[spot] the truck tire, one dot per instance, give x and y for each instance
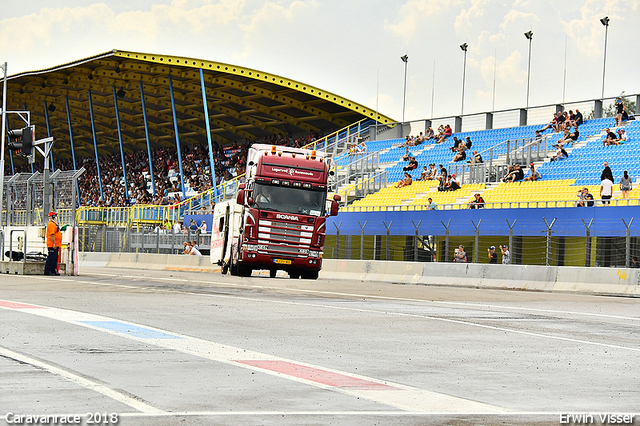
(310, 275)
(272, 273)
(225, 268)
(294, 275)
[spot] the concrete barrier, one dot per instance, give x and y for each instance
(605, 281)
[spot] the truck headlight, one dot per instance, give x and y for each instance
(314, 254)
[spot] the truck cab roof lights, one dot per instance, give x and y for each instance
(273, 150)
(313, 155)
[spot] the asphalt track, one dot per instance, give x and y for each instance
(165, 348)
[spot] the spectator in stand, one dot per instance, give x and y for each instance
(421, 138)
(551, 124)
(203, 227)
(475, 158)
(585, 199)
(461, 155)
(515, 174)
(444, 183)
(186, 247)
(193, 226)
(610, 138)
(427, 174)
(409, 141)
(606, 190)
(626, 185)
(453, 184)
(477, 202)
(534, 175)
(442, 173)
(620, 110)
(468, 143)
(456, 144)
(404, 182)
(429, 135)
(570, 137)
(560, 122)
(634, 262)
(448, 131)
(606, 172)
(431, 205)
(561, 154)
(578, 119)
(194, 250)
(440, 133)
(413, 164)
(622, 138)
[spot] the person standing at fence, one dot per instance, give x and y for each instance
(54, 241)
(460, 256)
(493, 256)
(506, 255)
(606, 190)
(626, 185)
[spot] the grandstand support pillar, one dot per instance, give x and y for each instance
(46, 120)
(362, 238)
(523, 117)
(146, 134)
(337, 239)
(175, 128)
(95, 142)
(73, 154)
(124, 170)
(388, 227)
(627, 250)
(415, 240)
(427, 124)
(488, 121)
(597, 108)
(208, 127)
(511, 237)
(549, 232)
(587, 254)
(559, 108)
(476, 255)
(457, 124)
(446, 240)
(637, 104)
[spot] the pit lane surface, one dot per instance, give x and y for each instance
(199, 348)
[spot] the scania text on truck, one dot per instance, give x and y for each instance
(277, 221)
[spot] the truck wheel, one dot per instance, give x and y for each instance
(225, 268)
(272, 273)
(294, 275)
(310, 275)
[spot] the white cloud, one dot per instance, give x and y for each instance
(416, 15)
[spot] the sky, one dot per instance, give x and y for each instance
(353, 47)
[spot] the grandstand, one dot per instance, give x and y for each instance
(560, 179)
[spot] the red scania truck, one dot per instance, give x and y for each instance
(277, 221)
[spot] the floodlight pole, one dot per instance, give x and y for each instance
(604, 21)
(464, 47)
(529, 36)
(405, 59)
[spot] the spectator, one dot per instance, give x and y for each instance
(177, 227)
(534, 175)
(429, 135)
(560, 122)
(477, 202)
(404, 182)
(456, 144)
(444, 183)
(551, 124)
(194, 250)
(610, 138)
(460, 255)
(193, 227)
(413, 164)
(186, 247)
(626, 185)
(620, 110)
(431, 205)
(453, 184)
(409, 141)
(606, 172)
(538, 137)
(426, 174)
(606, 190)
(447, 132)
(585, 199)
(516, 174)
(461, 155)
(506, 255)
(468, 144)
(442, 173)
(493, 256)
(634, 262)
(578, 119)
(570, 137)
(622, 138)
(203, 227)
(561, 154)
(475, 158)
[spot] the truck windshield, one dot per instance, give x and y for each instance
(289, 199)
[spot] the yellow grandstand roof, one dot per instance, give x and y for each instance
(243, 103)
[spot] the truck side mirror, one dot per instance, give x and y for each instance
(334, 207)
(250, 201)
(240, 197)
(337, 197)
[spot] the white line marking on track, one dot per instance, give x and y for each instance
(399, 299)
(393, 394)
(83, 381)
(454, 321)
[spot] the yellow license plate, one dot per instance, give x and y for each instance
(282, 261)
